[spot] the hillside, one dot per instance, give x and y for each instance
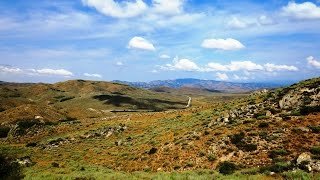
(79, 99)
(203, 84)
(266, 135)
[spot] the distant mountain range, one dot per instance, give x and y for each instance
(202, 84)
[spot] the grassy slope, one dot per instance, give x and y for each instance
(77, 99)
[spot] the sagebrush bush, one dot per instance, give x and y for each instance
(315, 150)
(4, 131)
(9, 169)
(227, 167)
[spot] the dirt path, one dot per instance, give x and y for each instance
(189, 102)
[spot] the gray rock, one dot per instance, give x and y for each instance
(304, 157)
(268, 114)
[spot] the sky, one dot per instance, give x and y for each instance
(145, 40)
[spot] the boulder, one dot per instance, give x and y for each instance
(315, 166)
(290, 101)
(304, 157)
(268, 114)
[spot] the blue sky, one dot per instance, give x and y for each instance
(143, 40)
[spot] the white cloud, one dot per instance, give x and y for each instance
(47, 71)
(5, 69)
(127, 9)
(265, 20)
(124, 9)
(181, 64)
(244, 65)
(36, 72)
(164, 56)
(173, 21)
(306, 10)
(223, 44)
(168, 7)
(141, 43)
(313, 62)
(247, 67)
(234, 66)
(222, 76)
(119, 63)
(236, 23)
(273, 67)
(93, 75)
(154, 71)
(217, 67)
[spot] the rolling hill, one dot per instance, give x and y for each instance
(79, 99)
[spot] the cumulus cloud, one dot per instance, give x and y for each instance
(222, 44)
(164, 56)
(37, 72)
(217, 67)
(222, 76)
(5, 69)
(141, 43)
(244, 65)
(168, 7)
(236, 23)
(313, 62)
(273, 67)
(247, 67)
(92, 75)
(234, 66)
(47, 71)
(124, 9)
(127, 9)
(306, 10)
(182, 65)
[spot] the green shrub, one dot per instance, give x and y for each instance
(202, 153)
(299, 174)
(248, 147)
(263, 135)
(9, 169)
(227, 167)
(305, 110)
(262, 117)
(259, 114)
(278, 167)
(295, 113)
(279, 152)
(263, 125)
(315, 129)
(25, 124)
(4, 131)
(237, 138)
(315, 150)
(307, 100)
(211, 157)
